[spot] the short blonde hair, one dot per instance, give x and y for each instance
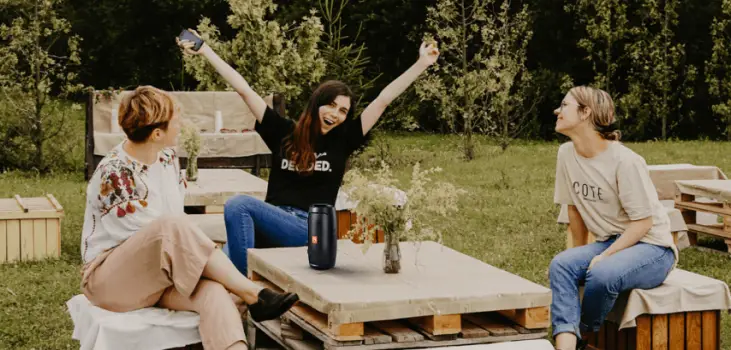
(602, 110)
(144, 110)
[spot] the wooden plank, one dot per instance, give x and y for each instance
(343, 223)
(13, 233)
(622, 340)
(53, 238)
(677, 331)
(39, 238)
(611, 335)
(710, 330)
(398, 332)
(531, 318)
(693, 331)
(21, 204)
(343, 332)
(602, 338)
(644, 332)
(26, 240)
(439, 324)
(471, 330)
(56, 205)
(317, 332)
(659, 332)
(714, 208)
(35, 214)
(3, 241)
(373, 336)
(709, 230)
(489, 323)
(289, 330)
(214, 209)
(632, 339)
(728, 245)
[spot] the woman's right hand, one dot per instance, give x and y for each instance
(187, 45)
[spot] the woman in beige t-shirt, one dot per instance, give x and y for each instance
(608, 191)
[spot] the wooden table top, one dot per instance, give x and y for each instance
(434, 280)
(216, 186)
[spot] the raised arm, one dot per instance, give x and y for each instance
(253, 100)
(428, 55)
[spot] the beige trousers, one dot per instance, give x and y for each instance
(161, 265)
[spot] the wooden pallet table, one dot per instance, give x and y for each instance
(209, 193)
(716, 200)
(440, 298)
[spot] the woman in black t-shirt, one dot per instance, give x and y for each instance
(308, 156)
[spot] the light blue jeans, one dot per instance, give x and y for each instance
(642, 266)
(253, 223)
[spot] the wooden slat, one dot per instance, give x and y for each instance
(622, 340)
(592, 338)
(35, 214)
(490, 324)
(343, 332)
(13, 234)
(290, 330)
(3, 241)
(710, 230)
(632, 338)
(214, 209)
(471, 330)
(531, 318)
(693, 331)
(21, 204)
(343, 223)
(53, 238)
(373, 336)
(715, 208)
(611, 335)
(660, 332)
(439, 324)
(677, 331)
(602, 338)
(26, 240)
(39, 238)
(398, 332)
(56, 205)
(644, 332)
(710, 330)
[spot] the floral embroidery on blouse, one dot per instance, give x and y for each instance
(118, 188)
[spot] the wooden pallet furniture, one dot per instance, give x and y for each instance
(716, 199)
(440, 298)
(209, 193)
(197, 106)
(30, 228)
(346, 219)
(681, 331)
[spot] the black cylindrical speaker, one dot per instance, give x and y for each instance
(322, 247)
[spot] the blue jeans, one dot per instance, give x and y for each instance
(642, 266)
(253, 223)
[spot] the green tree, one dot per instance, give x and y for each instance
(606, 28)
(275, 58)
(718, 68)
(479, 84)
(37, 57)
(659, 81)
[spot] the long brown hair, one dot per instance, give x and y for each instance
(300, 145)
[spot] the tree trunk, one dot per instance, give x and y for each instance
(37, 130)
(469, 148)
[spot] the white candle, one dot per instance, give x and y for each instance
(219, 122)
(115, 119)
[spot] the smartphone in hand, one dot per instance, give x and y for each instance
(187, 35)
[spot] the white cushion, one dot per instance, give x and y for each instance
(149, 328)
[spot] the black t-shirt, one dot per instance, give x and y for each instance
(286, 186)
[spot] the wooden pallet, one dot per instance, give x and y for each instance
(306, 328)
(681, 331)
(689, 206)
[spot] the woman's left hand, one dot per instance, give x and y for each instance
(596, 260)
(428, 54)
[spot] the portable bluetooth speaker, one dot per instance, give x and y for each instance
(322, 225)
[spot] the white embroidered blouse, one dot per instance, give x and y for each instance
(125, 195)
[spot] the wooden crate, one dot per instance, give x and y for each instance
(346, 219)
(678, 331)
(30, 228)
(689, 207)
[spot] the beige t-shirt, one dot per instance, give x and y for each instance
(610, 190)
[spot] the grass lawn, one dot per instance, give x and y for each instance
(507, 219)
